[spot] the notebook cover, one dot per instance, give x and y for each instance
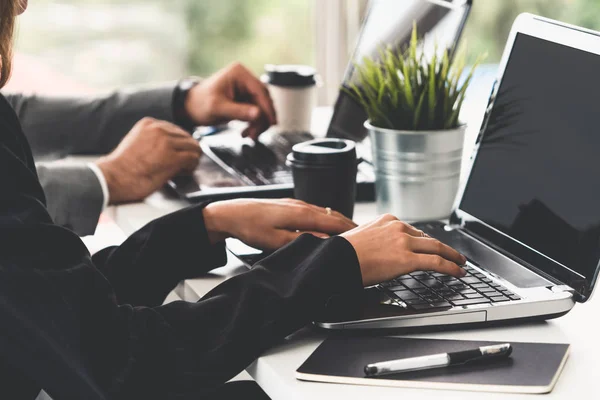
(532, 367)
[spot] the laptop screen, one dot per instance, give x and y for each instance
(389, 22)
(536, 176)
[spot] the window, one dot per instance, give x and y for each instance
(490, 20)
(66, 46)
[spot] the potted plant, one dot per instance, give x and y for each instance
(413, 105)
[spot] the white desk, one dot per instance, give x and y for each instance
(274, 371)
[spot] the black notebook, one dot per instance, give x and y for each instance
(532, 367)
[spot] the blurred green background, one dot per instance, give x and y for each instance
(102, 44)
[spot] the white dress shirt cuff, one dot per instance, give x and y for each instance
(103, 184)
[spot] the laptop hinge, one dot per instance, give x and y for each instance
(559, 285)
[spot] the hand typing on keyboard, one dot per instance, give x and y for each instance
(387, 248)
(233, 93)
(270, 224)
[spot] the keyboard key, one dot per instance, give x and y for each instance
(470, 279)
(404, 277)
(480, 285)
(394, 287)
(432, 299)
(497, 299)
(447, 278)
(441, 304)
(488, 290)
(431, 282)
(406, 295)
(455, 283)
(466, 290)
(414, 302)
(468, 302)
(514, 297)
(474, 296)
(419, 273)
(490, 294)
(412, 284)
(454, 297)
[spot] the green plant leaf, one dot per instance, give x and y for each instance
(400, 89)
(417, 115)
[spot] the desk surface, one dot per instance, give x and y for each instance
(274, 371)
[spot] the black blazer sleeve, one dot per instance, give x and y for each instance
(66, 330)
(148, 265)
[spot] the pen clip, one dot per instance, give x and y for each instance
(485, 352)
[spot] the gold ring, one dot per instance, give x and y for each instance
(328, 210)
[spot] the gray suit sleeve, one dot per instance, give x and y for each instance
(73, 195)
(59, 126)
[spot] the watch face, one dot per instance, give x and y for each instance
(188, 83)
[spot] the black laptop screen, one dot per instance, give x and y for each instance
(537, 172)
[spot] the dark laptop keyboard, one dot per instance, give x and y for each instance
(432, 290)
(260, 164)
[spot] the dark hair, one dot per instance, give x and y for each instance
(8, 13)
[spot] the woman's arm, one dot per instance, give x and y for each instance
(65, 331)
(148, 265)
(207, 343)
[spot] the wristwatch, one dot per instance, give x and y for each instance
(180, 115)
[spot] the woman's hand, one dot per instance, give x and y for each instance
(387, 248)
(271, 224)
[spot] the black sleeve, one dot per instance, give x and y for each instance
(148, 265)
(65, 331)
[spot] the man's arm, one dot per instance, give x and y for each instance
(59, 126)
(74, 193)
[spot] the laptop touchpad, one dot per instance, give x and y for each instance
(486, 258)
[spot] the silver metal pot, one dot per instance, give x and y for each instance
(416, 172)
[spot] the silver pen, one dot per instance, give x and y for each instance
(438, 360)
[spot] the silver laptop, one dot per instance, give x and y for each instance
(528, 216)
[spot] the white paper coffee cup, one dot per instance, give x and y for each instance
(294, 94)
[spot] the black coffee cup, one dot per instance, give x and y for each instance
(324, 172)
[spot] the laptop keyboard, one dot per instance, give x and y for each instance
(431, 290)
(259, 164)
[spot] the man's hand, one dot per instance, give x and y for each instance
(270, 224)
(387, 248)
(151, 153)
(232, 93)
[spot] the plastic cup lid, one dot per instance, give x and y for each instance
(323, 152)
(290, 75)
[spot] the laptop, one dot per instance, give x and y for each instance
(243, 168)
(528, 216)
